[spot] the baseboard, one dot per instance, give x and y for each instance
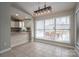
(20, 43)
(55, 43)
(5, 50)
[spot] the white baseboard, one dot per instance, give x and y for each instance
(5, 50)
(17, 44)
(55, 43)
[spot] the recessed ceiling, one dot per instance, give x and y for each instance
(58, 6)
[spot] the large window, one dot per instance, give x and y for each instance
(57, 29)
(49, 24)
(40, 29)
(62, 23)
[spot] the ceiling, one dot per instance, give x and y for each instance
(58, 6)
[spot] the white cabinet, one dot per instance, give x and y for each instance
(18, 38)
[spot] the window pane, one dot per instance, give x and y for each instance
(49, 34)
(62, 26)
(68, 20)
(49, 24)
(62, 20)
(39, 24)
(40, 34)
(62, 36)
(62, 23)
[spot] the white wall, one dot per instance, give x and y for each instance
(76, 18)
(77, 22)
(4, 26)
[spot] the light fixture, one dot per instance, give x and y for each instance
(17, 14)
(43, 11)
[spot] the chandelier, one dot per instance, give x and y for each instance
(43, 11)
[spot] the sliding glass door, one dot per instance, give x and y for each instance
(54, 29)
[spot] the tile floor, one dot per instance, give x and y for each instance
(36, 49)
